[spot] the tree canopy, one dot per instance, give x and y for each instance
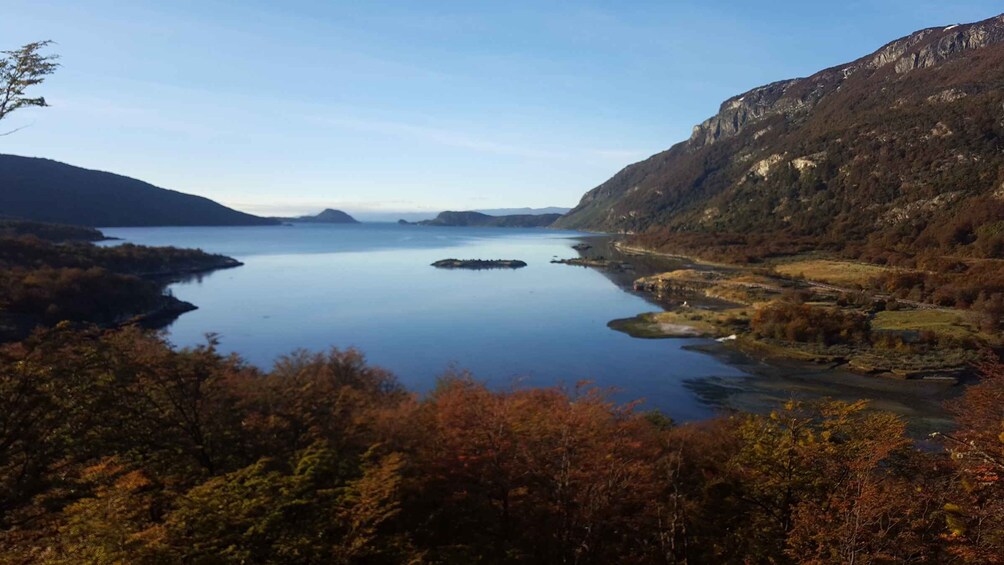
(20, 70)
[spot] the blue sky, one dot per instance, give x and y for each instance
(289, 107)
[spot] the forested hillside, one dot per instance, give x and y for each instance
(49, 191)
(477, 219)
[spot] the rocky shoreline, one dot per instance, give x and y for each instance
(219, 263)
(595, 262)
(479, 264)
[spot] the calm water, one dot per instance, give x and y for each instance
(370, 286)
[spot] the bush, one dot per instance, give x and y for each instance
(810, 324)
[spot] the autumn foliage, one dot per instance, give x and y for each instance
(806, 323)
(51, 273)
(115, 448)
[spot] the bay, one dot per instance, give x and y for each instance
(371, 286)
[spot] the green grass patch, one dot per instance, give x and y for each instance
(951, 323)
(841, 273)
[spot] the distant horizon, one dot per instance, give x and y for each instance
(300, 208)
(406, 108)
(358, 209)
(376, 215)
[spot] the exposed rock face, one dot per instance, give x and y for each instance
(929, 47)
(850, 146)
(923, 49)
(738, 112)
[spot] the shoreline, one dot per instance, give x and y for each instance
(770, 382)
(169, 276)
(726, 296)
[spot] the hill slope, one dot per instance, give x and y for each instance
(484, 220)
(50, 191)
(327, 216)
(901, 147)
(525, 211)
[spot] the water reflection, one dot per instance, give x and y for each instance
(371, 286)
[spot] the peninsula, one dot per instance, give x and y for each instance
(477, 219)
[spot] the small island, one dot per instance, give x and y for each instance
(479, 264)
(327, 216)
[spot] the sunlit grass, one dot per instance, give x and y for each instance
(952, 323)
(833, 272)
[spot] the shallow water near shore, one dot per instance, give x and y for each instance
(372, 286)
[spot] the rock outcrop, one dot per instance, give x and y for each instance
(479, 264)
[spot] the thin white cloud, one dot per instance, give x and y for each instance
(464, 140)
(120, 115)
(440, 136)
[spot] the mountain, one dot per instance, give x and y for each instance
(328, 216)
(525, 211)
(471, 219)
(49, 191)
(903, 147)
(393, 216)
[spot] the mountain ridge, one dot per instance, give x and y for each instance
(45, 190)
(478, 219)
(895, 146)
(525, 211)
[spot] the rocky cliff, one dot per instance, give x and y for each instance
(896, 140)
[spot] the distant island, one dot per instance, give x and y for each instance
(477, 219)
(328, 216)
(479, 264)
(560, 210)
(44, 190)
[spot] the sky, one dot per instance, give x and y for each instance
(421, 105)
